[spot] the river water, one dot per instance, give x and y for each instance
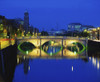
(16, 66)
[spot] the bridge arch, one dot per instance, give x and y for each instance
(37, 42)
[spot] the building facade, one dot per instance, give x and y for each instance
(87, 27)
(74, 27)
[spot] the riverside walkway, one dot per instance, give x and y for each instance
(6, 42)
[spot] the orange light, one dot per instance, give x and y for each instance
(15, 35)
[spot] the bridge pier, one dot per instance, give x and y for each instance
(62, 46)
(86, 42)
(40, 47)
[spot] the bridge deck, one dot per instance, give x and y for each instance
(52, 37)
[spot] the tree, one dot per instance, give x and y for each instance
(1, 27)
(44, 33)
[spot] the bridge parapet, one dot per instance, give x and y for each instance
(64, 41)
(50, 37)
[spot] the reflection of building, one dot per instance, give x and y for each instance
(26, 21)
(74, 27)
(26, 65)
(25, 61)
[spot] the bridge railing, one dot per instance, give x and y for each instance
(56, 37)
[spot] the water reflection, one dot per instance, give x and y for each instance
(39, 66)
(51, 48)
(54, 49)
(8, 63)
(62, 53)
(26, 47)
(95, 61)
(76, 47)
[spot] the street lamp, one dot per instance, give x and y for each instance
(85, 30)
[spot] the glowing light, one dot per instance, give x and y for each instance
(24, 57)
(50, 53)
(85, 30)
(98, 66)
(52, 42)
(17, 60)
(93, 58)
(75, 52)
(94, 29)
(15, 35)
(26, 52)
(72, 68)
(28, 32)
(18, 29)
(29, 68)
(98, 28)
(89, 58)
(88, 31)
(95, 62)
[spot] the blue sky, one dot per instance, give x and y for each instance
(56, 14)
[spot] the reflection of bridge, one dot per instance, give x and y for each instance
(64, 41)
(65, 53)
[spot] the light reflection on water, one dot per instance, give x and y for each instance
(48, 70)
(57, 69)
(55, 51)
(74, 49)
(38, 66)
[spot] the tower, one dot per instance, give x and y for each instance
(26, 21)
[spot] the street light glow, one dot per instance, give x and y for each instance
(98, 28)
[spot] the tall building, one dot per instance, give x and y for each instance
(26, 21)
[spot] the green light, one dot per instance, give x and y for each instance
(50, 53)
(75, 52)
(26, 52)
(82, 46)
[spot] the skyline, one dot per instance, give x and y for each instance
(49, 14)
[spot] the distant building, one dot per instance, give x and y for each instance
(57, 32)
(87, 27)
(51, 32)
(19, 21)
(26, 21)
(74, 27)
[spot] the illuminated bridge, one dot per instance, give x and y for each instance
(63, 41)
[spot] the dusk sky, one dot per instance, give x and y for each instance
(50, 14)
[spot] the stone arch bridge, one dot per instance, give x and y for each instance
(64, 41)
